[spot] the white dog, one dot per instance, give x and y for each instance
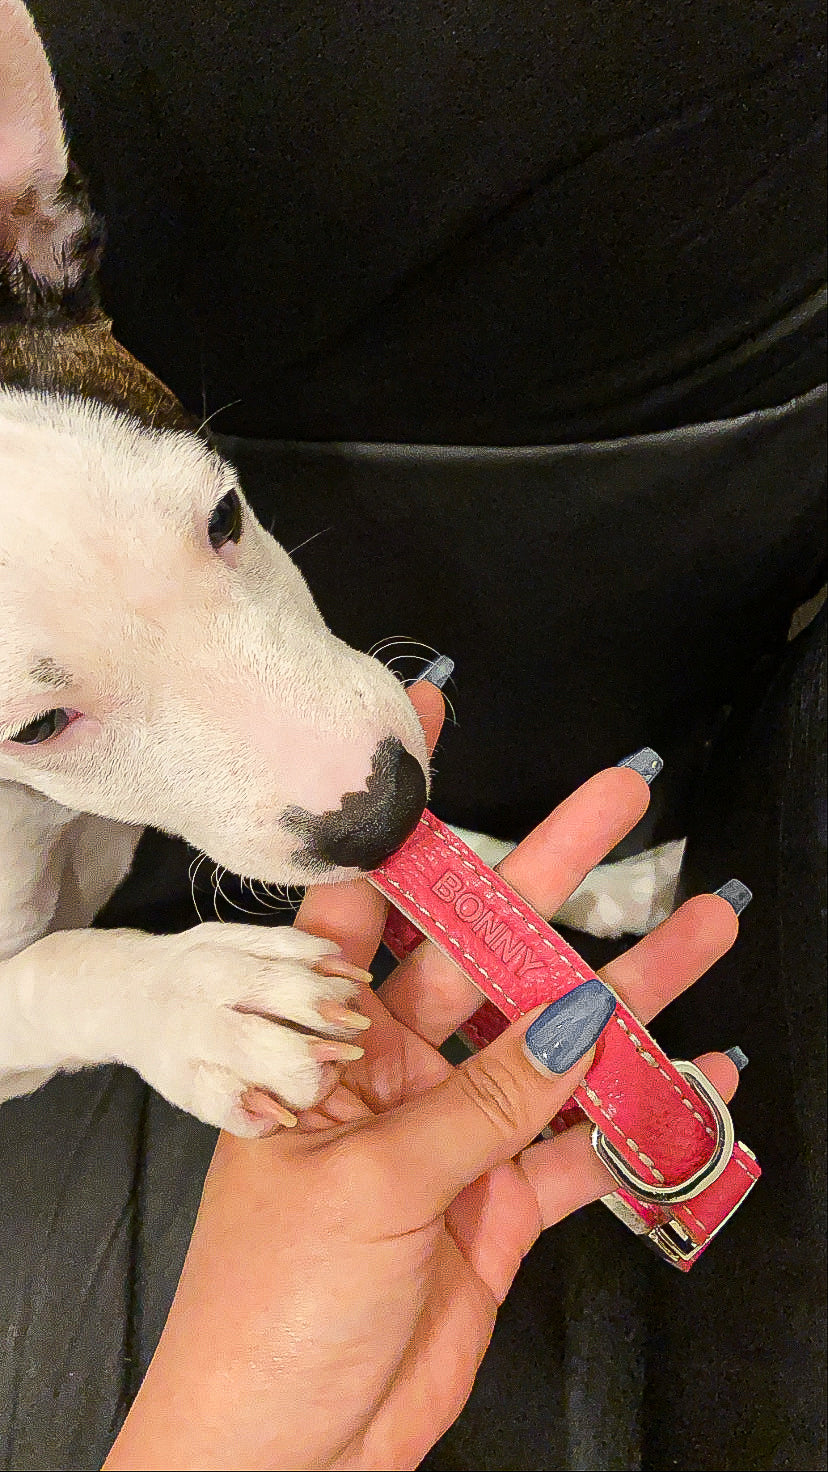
(161, 662)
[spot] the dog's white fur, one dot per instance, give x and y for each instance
(213, 697)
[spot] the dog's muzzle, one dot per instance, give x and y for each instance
(370, 825)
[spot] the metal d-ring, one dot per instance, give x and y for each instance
(623, 1173)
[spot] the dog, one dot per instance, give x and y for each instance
(162, 663)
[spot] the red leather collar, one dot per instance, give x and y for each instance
(667, 1138)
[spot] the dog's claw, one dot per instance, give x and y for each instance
(344, 1017)
(261, 1105)
(338, 966)
(333, 1052)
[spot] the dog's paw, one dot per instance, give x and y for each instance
(234, 1018)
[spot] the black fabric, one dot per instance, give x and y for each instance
(467, 222)
(101, 1182)
(595, 598)
(536, 225)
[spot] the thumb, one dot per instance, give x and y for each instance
(496, 1103)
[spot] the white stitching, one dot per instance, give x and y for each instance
(481, 877)
(699, 1224)
(654, 1063)
(475, 964)
(754, 1175)
(473, 961)
(414, 902)
(590, 1092)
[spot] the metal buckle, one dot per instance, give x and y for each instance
(698, 1181)
(672, 1242)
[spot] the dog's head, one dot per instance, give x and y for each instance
(161, 658)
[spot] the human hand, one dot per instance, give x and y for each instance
(343, 1279)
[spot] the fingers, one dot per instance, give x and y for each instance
(565, 1172)
(427, 992)
(484, 1112)
(668, 960)
(353, 915)
(430, 707)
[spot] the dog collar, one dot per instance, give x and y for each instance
(659, 1126)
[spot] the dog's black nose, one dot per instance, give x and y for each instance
(369, 825)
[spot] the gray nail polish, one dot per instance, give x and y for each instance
(738, 1057)
(646, 762)
(736, 893)
(438, 671)
(567, 1029)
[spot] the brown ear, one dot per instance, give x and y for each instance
(48, 243)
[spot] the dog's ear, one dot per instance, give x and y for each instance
(49, 240)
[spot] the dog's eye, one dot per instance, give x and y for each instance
(42, 728)
(225, 524)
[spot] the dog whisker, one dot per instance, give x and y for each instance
(281, 892)
(214, 880)
(194, 868)
(231, 403)
(234, 905)
(280, 905)
(260, 899)
(402, 639)
(407, 656)
(392, 639)
(394, 659)
(393, 645)
(311, 538)
(203, 384)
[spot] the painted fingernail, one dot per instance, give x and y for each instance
(646, 762)
(437, 671)
(332, 1052)
(738, 1057)
(736, 893)
(344, 1017)
(568, 1029)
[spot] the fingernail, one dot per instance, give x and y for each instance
(332, 1052)
(646, 762)
(568, 1029)
(736, 893)
(344, 1017)
(738, 1057)
(437, 672)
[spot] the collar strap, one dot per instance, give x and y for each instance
(659, 1126)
